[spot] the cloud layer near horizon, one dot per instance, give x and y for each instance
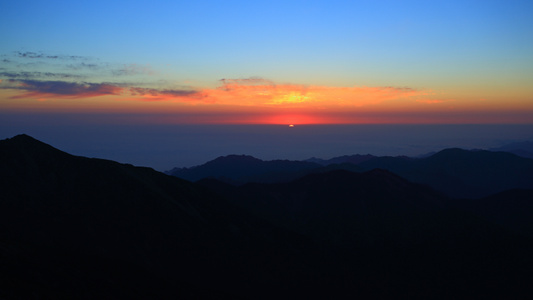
(231, 92)
(68, 83)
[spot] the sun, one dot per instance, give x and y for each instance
(291, 125)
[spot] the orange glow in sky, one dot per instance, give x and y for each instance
(260, 101)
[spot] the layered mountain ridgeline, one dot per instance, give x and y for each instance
(462, 173)
(74, 227)
(238, 169)
(456, 172)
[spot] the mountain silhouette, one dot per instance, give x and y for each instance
(379, 223)
(113, 230)
(325, 206)
(76, 227)
(456, 172)
(462, 173)
(512, 209)
(240, 169)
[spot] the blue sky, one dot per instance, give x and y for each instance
(309, 42)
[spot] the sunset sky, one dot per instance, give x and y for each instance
(270, 62)
(126, 80)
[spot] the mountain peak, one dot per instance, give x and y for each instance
(22, 138)
(236, 157)
(24, 146)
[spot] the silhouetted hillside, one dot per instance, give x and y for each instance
(458, 173)
(74, 227)
(462, 173)
(243, 168)
(339, 205)
(401, 237)
(512, 209)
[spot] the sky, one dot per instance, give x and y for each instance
(165, 63)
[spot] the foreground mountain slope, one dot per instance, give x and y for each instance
(343, 208)
(512, 209)
(74, 227)
(111, 230)
(381, 232)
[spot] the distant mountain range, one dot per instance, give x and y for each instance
(455, 172)
(523, 149)
(74, 227)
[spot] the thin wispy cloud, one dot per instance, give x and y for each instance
(71, 76)
(40, 55)
(233, 92)
(258, 91)
(148, 94)
(30, 65)
(85, 66)
(35, 75)
(63, 89)
(132, 69)
(78, 90)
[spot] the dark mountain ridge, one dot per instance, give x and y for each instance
(462, 173)
(144, 233)
(337, 200)
(74, 227)
(242, 168)
(456, 172)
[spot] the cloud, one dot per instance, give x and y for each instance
(34, 55)
(231, 84)
(33, 75)
(166, 94)
(133, 69)
(262, 92)
(64, 89)
(30, 65)
(251, 92)
(82, 65)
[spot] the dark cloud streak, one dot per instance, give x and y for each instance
(65, 89)
(156, 92)
(83, 65)
(37, 88)
(34, 55)
(32, 75)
